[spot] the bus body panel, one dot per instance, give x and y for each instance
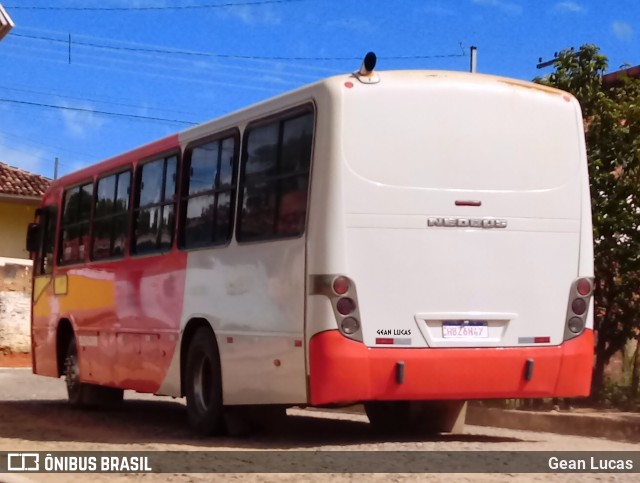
(346, 371)
(373, 226)
(125, 314)
(253, 297)
(463, 208)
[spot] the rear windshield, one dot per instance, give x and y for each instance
(449, 134)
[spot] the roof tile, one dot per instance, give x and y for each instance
(15, 181)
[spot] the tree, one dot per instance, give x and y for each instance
(612, 130)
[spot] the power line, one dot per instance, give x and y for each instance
(228, 56)
(91, 111)
(168, 7)
(104, 101)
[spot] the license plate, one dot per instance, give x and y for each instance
(465, 329)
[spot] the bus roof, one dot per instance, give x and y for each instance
(172, 142)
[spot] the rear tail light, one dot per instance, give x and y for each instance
(578, 307)
(583, 287)
(576, 325)
(341, 292)
(344, 300)
(350, 325)
(345, 306)
(340, 285)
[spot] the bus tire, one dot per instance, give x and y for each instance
(203, 384)
(81, 394)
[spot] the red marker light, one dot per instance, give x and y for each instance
(345, 306)
(348, 85)
(541, 340)
(583, 287)
(341, 285)
(579, 306)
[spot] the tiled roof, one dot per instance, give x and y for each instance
(14, 181)
(614, 78)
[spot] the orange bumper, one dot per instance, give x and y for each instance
(342, 370)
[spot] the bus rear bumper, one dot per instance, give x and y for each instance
(343, 370)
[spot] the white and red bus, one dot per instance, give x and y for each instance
(408, 240)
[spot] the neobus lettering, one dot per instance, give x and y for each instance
(468, 222)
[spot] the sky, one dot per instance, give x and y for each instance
(84, 80)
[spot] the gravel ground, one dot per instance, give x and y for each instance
(35, 417)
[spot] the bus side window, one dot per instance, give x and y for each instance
(275, 179)
(154, 213)
(110, 223)
(75, 223)
(210, 194)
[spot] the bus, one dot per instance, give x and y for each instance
(405, 240)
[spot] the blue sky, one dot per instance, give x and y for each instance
(162, 68)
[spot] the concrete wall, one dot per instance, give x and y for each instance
(14, 219)
(15, 305)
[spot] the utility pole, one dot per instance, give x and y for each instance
(473, 65)
(547, 63)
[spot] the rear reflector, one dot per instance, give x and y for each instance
(541, 340)
(384, 341)
(394, 341)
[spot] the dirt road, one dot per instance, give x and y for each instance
(34, 416)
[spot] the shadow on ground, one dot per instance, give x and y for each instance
(165, 422)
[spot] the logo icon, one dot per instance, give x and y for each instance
(23, 462)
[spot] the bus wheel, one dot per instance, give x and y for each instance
(81, 394)
(203, 384)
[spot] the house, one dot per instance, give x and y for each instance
(20, 194)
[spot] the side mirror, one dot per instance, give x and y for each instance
(33, 237)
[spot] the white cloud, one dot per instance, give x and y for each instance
(507, 7)
(251, 15)
(622, 30)
(80, 123)
(571, 7)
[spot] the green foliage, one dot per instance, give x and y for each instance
(612, 128)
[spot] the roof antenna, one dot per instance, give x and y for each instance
(366, 75)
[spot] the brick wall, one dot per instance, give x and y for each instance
(15, 305)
